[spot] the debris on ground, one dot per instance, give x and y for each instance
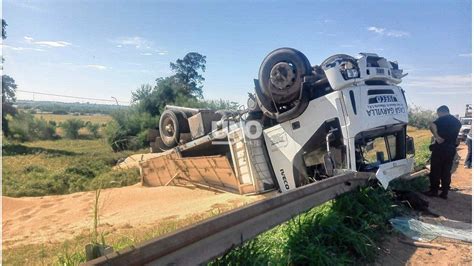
(421, 231)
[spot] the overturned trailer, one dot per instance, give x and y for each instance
(303, 124)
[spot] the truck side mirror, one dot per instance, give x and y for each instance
(410, 146)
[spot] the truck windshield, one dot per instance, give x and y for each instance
(378, 147)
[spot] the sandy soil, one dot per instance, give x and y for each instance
(47, 219)
(458, 207)
(134, 160)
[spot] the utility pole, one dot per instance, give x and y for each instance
(116, 101)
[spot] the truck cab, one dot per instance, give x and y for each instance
(359, 125)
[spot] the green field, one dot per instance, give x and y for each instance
(96, 118)
(63, 166)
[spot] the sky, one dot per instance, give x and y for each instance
(103, 49)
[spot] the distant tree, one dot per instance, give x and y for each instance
(152, 100)
(187, 73)
(8, 91)
(25, 127)
(129, 128)
(8, 99)
(4, 29)
(142, 93)
(419, 117)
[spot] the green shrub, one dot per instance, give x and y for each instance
(44, 130)
(420, 118)
(71, 127)
(93, 129)
(81, 171)
(25, 127)
(128, 130)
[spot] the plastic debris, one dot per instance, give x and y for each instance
(420, 231)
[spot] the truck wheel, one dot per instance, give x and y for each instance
(172, 124)
(282, 73)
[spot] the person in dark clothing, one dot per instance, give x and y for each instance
(445, 132)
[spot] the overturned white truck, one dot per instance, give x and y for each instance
(303, 124)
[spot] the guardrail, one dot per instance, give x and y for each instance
(211, 238)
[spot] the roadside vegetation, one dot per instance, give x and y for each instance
(420, 118)
(61, 108)
(340, 232)
(62, 166)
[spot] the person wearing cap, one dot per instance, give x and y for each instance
(445, 132)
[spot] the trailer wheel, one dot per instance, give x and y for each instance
(282, 73)
(172, 124)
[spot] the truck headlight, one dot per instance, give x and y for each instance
(349, 70)
(352, 73)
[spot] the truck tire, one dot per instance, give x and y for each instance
(172, 124)
(291, 66)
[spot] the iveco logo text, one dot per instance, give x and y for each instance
(283, 177)
(386, 99)
(383, 99)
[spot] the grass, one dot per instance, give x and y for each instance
(342, 231)
(62, 166)
(97, 118)
(422, 139)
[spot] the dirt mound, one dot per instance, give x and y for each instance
(31, 220)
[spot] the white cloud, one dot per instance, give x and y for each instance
(162, 52)
(466, 55)
(28, 39)
(135, 41)
(397, 33)
(440, 85)
(98, 67)
(146, 54)
(27, 4)
(54, 44)
(376, 30)
(19, 48)
(389, 33)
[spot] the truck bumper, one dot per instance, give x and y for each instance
(392, 170)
